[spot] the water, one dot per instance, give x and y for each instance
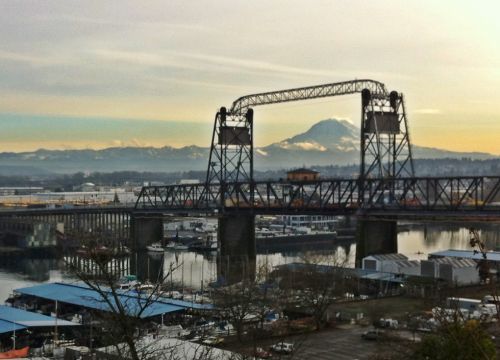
(193, 270)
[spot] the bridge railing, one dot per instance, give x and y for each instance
(329, 195)
(433, 193)
(311, 195)
(192, 196)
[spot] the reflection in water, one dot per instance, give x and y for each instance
(193, 270)
(428, 238)
(88, 268)
(32, 267)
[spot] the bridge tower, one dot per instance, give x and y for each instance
(231, 151)
(385, 137)
(385, 154)
(231, 161)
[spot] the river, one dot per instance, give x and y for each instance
(194, 270)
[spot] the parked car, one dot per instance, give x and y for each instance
(260, 353)
(372, 335)
(213, 340)
(282, 347)
(388, 323)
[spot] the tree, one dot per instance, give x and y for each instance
(245, 304)
(483, 266)
(316, 285)
(457, 340)
(122, 323)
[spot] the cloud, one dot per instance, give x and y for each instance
(197, 61)
(256, 65)
(428, 111)
(307, 146)
(261, 152)
(113, 22)
(31, 59)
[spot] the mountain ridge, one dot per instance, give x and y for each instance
(327, 142)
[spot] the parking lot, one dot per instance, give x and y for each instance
(341, 343)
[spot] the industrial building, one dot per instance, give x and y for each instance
(493, 256)
(456, 271)
(380, 262)
(459, 271)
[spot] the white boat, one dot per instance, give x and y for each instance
(146, 288)
(155, 247)
(175, 246)
(170, 245)
(127, 282)
(181, 247)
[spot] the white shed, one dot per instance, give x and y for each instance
(407, 267)
(382, 262)
(458, 271)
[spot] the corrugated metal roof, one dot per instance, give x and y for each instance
(388, 257)
(466, 254)
(456, 263)
(362, 273)
(8, 326)
(383, 276)
(82, 295)
(30, 319)
(407, 263)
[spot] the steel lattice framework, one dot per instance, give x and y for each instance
(231, 151)
(427, 196)
(306, 93)
(476, 197)
(385, 139)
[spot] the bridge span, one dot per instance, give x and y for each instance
(452, 197)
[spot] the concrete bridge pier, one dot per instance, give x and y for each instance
(145, 230)
(237, 257)
(376, 237)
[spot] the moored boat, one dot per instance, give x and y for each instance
(15, 354)
(155, 247)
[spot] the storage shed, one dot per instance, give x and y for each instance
(382, 262)
(457, 271)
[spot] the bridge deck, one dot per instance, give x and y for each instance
(425, 197)
(453, 196)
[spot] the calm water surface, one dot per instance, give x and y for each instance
(194, 270)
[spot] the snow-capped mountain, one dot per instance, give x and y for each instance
(328, 142)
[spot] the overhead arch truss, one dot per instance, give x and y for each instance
(384, 140)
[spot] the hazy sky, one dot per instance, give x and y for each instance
(71, 70)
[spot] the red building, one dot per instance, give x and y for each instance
(302, 174)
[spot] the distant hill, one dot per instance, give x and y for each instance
(328, 142)
(336, 142)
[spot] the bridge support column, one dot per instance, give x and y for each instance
(237, 259)
(144, 231)
(376, 237)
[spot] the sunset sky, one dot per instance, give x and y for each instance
(94, 74)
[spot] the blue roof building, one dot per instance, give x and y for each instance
(134, 304)
(13, 319)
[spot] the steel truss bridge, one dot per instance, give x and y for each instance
(466, 197)
(386, 186)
